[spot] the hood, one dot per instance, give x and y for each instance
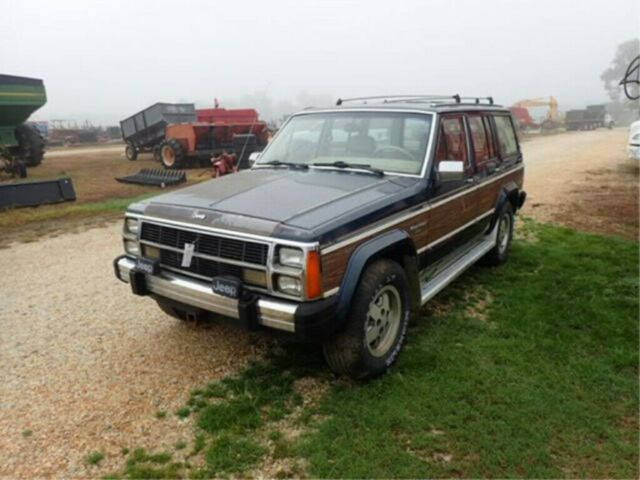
(259, 200)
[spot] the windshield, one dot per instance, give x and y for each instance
(389, 141)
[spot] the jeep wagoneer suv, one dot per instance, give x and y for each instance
(349, 221)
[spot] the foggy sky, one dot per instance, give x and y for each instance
(105, 60)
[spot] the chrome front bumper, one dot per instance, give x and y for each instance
(278, 314)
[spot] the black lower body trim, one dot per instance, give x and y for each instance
(317, 321)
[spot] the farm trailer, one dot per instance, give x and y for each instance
(145, 131)
(21, 144)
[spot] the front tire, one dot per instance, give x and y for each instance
(499, 254)
(377, 325)
(130, 152)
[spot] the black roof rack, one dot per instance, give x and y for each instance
(434, 99)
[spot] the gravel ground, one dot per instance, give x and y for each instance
(85, 366)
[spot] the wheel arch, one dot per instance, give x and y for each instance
(510, 193)
(395, 245)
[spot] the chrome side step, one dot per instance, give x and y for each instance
(435, 285)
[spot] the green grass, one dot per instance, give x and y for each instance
(544, 384)
(23, 216)
(231, 453)
(94, 458)
(526, 370)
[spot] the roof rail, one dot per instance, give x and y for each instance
(457, 99)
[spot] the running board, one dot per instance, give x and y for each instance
(435, 285)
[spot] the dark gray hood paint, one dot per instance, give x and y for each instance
(294, 204)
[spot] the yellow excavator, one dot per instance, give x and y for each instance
(553, 116)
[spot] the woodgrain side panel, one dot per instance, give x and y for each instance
(429, 225)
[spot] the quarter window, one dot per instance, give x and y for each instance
(506, 136)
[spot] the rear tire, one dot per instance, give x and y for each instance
(171, 154)
(30, 145)
(377, 325)
(156, 153)
(500, 253)
(130, 152)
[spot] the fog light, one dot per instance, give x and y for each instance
(151, 252)
(289, 285)
(254, 277)
(131, 247)
(131, 225)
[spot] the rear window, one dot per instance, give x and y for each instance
(506, 136)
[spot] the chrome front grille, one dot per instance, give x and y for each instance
(214, 255)
(222, 248)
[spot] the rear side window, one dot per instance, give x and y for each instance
(480, 140)
(506, 136)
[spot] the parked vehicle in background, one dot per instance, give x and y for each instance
(198, 142)
(633, 147)
(594, 116)
(350, 220)
(552, 119)
(145, 131)
(21, 144)
(524, 120)
(178, 134)
(574, 120)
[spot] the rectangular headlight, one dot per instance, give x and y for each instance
(291, 257)
(131, 247)
(131, 225)
(289, 285)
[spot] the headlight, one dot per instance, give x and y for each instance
(636, 137)
(131, 247)
(291, 257)
(289, 285)
(131, 225)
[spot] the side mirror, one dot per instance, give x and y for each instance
(451, 170)
(253, 156)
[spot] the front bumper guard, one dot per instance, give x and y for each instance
(277, 314)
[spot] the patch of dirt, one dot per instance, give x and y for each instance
(478, 303)
(583, 180)
(276, 465)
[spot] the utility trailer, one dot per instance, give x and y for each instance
(21, 144)
(145, 131)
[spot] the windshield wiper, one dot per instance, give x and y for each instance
(358, 166)
(278, 163)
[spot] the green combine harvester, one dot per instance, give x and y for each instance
(21, 145)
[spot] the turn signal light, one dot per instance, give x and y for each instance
(314, 275)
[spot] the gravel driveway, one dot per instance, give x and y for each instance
(85, 366)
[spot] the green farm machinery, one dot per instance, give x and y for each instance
(21, 145)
